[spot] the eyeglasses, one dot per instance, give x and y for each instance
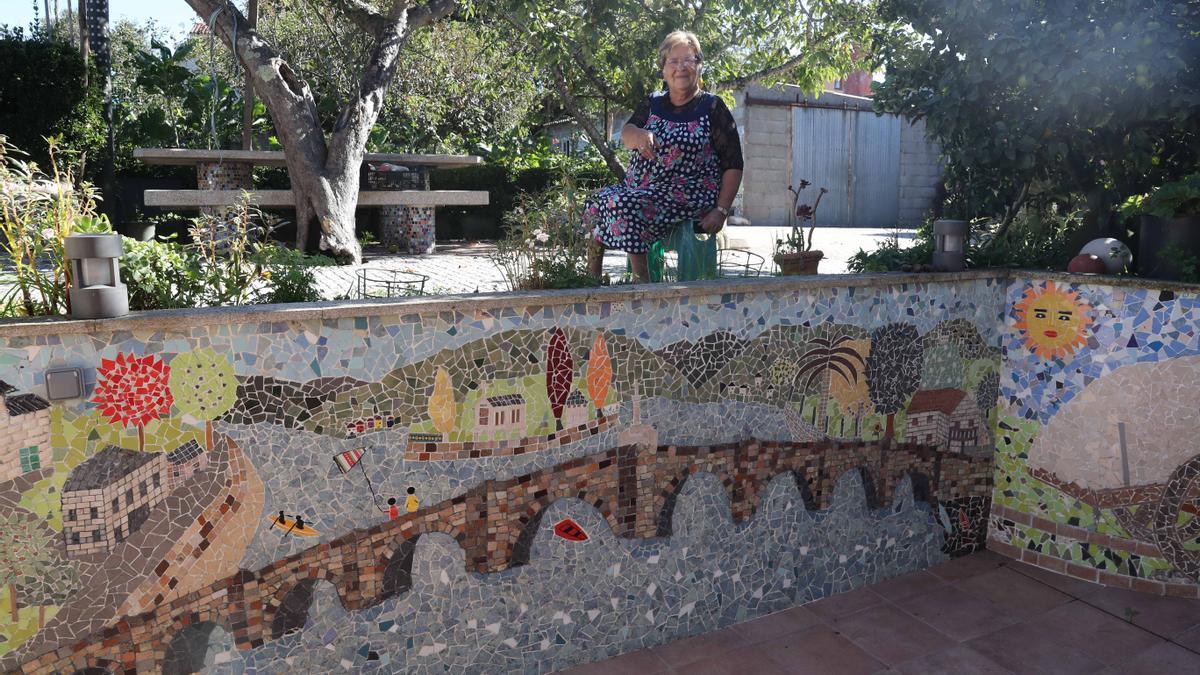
(689, 62)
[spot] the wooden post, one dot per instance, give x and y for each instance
(248, 89)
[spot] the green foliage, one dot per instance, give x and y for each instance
(229, 250)
(42, 94)
(943, 368)
(1170, 200)
(159, 275)
(37, 213)
(1039, 102)
(290, 274)
(170, 104)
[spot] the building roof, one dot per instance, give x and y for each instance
(505, 400)
(576, 398)
(106, 467)
(185, 453)
(25, 403)
(936, 400)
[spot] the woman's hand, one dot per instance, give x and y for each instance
(713, 221)
(644, 143)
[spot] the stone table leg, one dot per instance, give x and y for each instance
(420, 233)
(223, 176)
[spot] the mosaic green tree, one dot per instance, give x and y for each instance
(204, 386)
(943, 368)
(894, 369)
(26, 551)
(55, 582)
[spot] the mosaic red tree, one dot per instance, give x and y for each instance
(560, 372)
(134, 391)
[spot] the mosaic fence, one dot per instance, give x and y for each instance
(1098, 466)
(493, 487)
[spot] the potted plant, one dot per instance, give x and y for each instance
(1168, 223)
(794, 253)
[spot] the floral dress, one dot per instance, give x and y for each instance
(698, 143)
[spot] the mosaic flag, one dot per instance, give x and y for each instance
(348, 459)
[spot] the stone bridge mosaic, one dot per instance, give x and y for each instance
(379, 486)
(634, 489)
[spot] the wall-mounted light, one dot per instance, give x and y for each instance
(64, 383)
(951, 239)
(96, 289)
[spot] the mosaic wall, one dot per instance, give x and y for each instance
(516, 488)
(1098, 469)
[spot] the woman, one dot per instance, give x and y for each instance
(687, 163)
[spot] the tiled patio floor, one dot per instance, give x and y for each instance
(980, 614)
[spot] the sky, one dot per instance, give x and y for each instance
(172, 15)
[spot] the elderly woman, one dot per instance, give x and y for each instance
(687, 163)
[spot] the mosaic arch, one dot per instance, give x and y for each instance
(345, 477)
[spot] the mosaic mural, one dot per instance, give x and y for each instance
(414, 492)
(1098, 471)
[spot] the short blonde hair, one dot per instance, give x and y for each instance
(676, 38)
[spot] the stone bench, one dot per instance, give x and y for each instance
(407, 216)
(194, 199)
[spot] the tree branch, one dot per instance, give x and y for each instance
(430, 12)
(581, 118)
(745, 80)
(361, 14)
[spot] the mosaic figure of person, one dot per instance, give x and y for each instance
(411, 503)
(687, 163)
(393, 510)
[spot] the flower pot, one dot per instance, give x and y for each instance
(1164, 245)
(793, 264)
(139, 230)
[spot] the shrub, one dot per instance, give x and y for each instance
(290, 276)
(159, 275)
(42, 94)
(37, 212)
(545, 244)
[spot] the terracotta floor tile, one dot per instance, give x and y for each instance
(1025, 649)
(957, 660)
(1093, 632)
(907, 585)
(1163, 657)
(1190, 639)
(777, 624)
(968, 565)
(956, 613)
(1165, 616)
(1015, 593)
(819, 650)
(842, 604)
(890, 635)
(737, 662)
(700, 647)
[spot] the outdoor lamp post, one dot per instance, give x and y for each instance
(951, 239)
(96, 288)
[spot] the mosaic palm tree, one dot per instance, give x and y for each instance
(824, 358)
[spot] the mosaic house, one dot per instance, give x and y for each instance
(528, 482)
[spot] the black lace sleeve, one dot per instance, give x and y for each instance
(641, 114)
(725, 137)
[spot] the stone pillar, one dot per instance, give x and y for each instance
(223, 176)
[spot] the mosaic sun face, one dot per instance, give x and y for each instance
(1052, 321)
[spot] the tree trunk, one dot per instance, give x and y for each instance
(141, 438)
(12, 598)
(41, 617)
(208, 435)
(891, 427)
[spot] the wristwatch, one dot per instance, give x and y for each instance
(724, 211)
